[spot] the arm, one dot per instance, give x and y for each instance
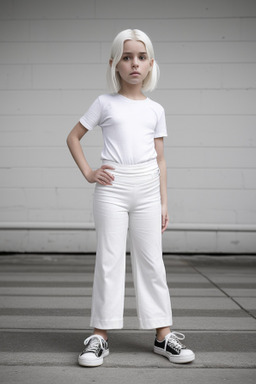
(159, 146)
(100, 176)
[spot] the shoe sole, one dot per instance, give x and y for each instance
(93, 363)
(175, 358)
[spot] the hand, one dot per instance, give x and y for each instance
(165, 218)
(101, 176)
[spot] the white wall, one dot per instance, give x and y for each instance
(53, 57)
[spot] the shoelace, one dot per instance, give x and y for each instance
(174, 340)
(93, 343)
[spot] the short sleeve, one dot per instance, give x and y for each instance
(92, 117)
(161, 128)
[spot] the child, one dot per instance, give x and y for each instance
(130, 192)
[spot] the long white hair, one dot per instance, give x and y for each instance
(113, 77)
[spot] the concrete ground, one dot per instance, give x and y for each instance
(45, 309)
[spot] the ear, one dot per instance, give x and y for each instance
(111, 62)
(151, 63)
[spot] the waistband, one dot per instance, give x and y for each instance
(133, 169)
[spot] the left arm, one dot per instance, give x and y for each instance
(159, 146)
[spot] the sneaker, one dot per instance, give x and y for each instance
(173, 349)
(96, 348)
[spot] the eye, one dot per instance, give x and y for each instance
(143, 57)
(126, 58)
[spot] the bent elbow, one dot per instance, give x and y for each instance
(69, 140)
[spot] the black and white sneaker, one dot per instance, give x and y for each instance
(173, 349)
(96, 348)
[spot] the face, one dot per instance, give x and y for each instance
(134, 65)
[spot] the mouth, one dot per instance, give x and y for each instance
(134, 73)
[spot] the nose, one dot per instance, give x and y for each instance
(135, 63)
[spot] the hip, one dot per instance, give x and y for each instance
(136, 173)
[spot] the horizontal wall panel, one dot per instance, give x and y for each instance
(42, 241)
(73, 30)
(182, 215)
(25, 198)
(48, 9)
(247, 216)
(78, 214)
(207, 102)
(161, 9)
(42, 131)
(209, 178)
(14, 30)
(190, 76)
(249, 177)
(50, 53)
(43, 178)
(211, 157)
(208, 76)
(13, 214)
(50, 198)
(15, 77)
(191, 29)
(214, 199)
(239, 76)
(55, 102)
(211, 131)
(69, 76)
(104, 30)
(44, 157)
(201, 52)
(35, 130)
(174, 9)
(248, 32)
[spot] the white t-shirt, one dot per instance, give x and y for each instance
(129, 127)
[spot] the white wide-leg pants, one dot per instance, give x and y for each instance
(131, 202)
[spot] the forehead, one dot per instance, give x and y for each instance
(134, 46)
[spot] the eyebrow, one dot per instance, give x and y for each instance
(129, 53)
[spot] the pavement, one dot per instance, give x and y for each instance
(45, 309)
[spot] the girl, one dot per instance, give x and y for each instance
(130, 192)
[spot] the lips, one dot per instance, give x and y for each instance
(135, 73)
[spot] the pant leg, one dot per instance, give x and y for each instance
(152, 293)
(111, 221)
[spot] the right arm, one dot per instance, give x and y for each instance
(100, 175)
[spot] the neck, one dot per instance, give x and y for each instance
(133, 92)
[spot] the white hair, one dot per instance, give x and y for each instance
(113, 77)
